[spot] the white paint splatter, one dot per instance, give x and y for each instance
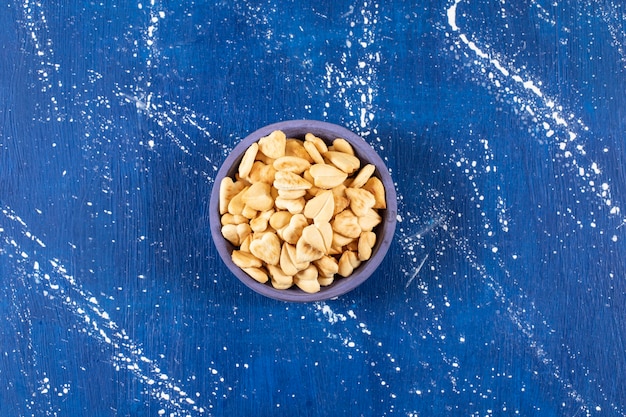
(544, 109)
(565, 132)
(59, 286)
(353, 83)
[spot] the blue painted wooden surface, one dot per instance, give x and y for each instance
(502, 123)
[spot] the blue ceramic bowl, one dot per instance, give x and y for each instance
(384, 231)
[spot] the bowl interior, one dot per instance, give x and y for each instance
(384, 231)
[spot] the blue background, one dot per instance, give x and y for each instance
(502, 124)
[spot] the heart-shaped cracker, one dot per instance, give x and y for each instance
(228, 189)
(376, 187)
(313, 152)
(327, 176)
(280, 219)
(370, 220)
(317, 141)
(367, 240)
(294, 206)
(346, 224)
(262, 172)
(327, 266)
(363, 176)
(326, 230)
(258, 197)
(245, 166)
(245, 260)
(257, 273)
(341, 200)
(347, 263)
(236, 233)
(261, 221)
(291, 194)
(288, 261)
(280, 280)
(273, 145)
(266, 248)
(345, 162)
(360, 200)
(292, 232)
(236, 204)
(292, 164)
(311, 246)
(306, 280)
(284, 180)
(321, 207)
(343, 145)
(295, 147)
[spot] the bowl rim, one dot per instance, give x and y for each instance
(326, 131)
